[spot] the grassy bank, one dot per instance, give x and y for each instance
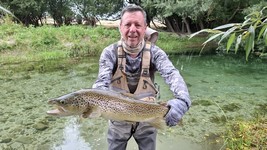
(20, 44)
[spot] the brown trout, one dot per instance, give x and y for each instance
(109, 105)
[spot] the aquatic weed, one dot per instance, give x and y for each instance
(246, 135)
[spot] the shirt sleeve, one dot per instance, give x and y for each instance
(171, 75)
(106, 65)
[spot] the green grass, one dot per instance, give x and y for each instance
(174, 44)
(19, 43)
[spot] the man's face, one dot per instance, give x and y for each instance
(132, 28)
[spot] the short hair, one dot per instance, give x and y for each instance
(133, 8)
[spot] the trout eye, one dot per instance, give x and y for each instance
(62, 102)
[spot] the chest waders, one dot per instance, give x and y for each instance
(120, 132)
(145, 86)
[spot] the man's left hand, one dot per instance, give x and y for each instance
(175, 112)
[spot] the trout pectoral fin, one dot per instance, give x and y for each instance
(158, 123)
(93, 113)
(87, 113)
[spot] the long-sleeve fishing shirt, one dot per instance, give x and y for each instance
(159, 62)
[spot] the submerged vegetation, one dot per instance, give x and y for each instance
(239, 133)
(247, 135)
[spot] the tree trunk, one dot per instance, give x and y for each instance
(168, 25)
(187, 25)
(201, 24)
(173, 23)
(91, 21)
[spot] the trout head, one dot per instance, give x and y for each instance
(68, 105)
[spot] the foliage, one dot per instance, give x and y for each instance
(241, 35)
(28, 12)
(19, 43)
(184, 16)
(246, 135)
(91, 9)
(180, 45)
(5, 11)
(60, 10)
(254, 8)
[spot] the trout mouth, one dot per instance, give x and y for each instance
(57, 112)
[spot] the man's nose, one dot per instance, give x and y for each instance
(132, 28)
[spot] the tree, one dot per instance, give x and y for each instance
(150, 9)
(60, 10)
(5, 11)
(28, 11)
(186, 16)
(245, 35)
(90, 10)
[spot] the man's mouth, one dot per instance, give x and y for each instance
(132, 37)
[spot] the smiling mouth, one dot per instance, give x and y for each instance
(132, 37)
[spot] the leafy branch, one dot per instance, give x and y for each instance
(240, 33)
(8, 12)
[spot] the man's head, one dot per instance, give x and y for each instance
(133, 25)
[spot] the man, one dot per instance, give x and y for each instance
(129, 66)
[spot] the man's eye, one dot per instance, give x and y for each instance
(127, 25)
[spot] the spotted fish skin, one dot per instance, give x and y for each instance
(109, 105)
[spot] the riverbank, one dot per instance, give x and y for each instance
(22, 44)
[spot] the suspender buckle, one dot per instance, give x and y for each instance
(145, 72)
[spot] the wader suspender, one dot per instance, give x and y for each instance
(119, 80)
(145, 85)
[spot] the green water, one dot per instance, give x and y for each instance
(222, 89)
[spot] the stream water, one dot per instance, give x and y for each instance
(222, 89)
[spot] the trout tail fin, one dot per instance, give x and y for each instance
(158, 123)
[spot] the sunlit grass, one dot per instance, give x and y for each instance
(39, 43)
(174, 44)
(19, 43)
